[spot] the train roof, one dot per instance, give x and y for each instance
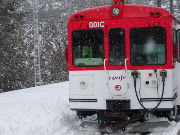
(127, 11)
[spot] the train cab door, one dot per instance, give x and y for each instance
(117, 62)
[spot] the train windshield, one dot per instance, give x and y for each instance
(117, 47)
(148, 46)
(88, 47)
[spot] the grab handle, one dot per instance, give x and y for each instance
(126, 64)
(105, 64)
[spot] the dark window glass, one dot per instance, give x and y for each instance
(88, 47)
(148, 46)
(178, 43)
(173, 36)
(117, 47)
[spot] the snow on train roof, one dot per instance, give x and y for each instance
(126, 11)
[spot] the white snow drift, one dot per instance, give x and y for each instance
(43, 111)
(36, 111)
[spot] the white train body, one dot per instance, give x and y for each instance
(100, 87)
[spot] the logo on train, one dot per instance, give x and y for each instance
(121, 78)
(118, 87)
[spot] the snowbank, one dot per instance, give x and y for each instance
(44, 111)
(37, 111)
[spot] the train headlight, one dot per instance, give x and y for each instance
(153, 82)
(83, 84)
(115, 11)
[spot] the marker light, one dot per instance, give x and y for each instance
(83, 84)
(81, 16)
(150, 74)
(153, 82)
(76, 16)
(115, 11)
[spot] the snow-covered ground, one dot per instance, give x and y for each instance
(37, 111)
(44, 111)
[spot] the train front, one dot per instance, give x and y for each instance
(121, 62)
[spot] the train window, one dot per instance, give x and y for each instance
(117, 47)
(88, 48)
(148, 46)
(178, 43)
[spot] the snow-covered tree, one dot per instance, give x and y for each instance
(53, 18)
(12, 56)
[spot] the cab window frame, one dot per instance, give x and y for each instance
(174, 41)
(164, 41)
(123, 43)
(85, 59)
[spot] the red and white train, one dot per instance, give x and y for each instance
(124, 63)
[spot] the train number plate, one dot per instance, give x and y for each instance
(96, 24)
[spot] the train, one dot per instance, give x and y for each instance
(124, 63)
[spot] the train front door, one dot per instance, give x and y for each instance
(117, 62)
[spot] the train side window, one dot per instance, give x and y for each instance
(178, 43)
(117, 47)
(148, 46)
(88, 47)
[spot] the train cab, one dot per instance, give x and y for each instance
(124, 59)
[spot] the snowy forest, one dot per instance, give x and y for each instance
(16, 33)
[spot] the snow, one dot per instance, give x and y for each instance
(45, 111)
(172, 130)
(37, 111)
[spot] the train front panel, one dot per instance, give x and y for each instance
(121, 64)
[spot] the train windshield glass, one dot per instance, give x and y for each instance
(117, 47)
(148, 46)
(88, 48)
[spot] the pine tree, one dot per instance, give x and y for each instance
(12, 57)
